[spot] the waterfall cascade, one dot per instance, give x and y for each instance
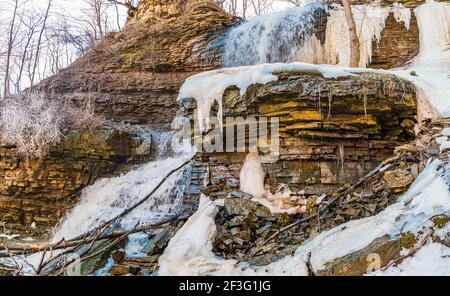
(288, 36)
(109, 197)
(277, 37)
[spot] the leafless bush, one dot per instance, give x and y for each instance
(82, 115)
(32, 123)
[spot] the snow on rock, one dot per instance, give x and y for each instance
(441, 140)
(431, 260)
(208, 87)
(444, 146)
(252, 182)
(431, 68)
(190, 251)
(446, 131)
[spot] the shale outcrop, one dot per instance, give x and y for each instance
(134, 75)
(246, 229)
(332, 131)
(35, 194)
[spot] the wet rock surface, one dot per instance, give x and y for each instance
(154, 248)
(244, 226)
(332, 131)
(35, 194)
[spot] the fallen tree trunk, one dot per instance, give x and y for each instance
(76, 242)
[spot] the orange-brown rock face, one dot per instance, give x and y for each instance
(35, 194)
(134, 75)
(332, 131)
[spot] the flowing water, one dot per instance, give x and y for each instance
(289, 35)
(276, 37)
(108, 197)
(280, 37)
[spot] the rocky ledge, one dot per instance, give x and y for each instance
(247, 231)
(35, 194)
(136, 73)
(332, 131)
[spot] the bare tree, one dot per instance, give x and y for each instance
(245, 8)
(296, 2)
(31, 23)
(354, 41)
(36, 42)
(129, 4)
(6, 87)
(261, 6)
(39, 43)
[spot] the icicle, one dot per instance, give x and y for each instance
(208, 87)
(402, 14)
(312, 52)
(433, 19)
(369, 21)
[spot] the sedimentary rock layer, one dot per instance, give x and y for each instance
(332, 131)
(35, 194)
(134, 75)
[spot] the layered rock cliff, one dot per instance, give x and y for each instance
(35, 194)
(136, 73)
(332, 131)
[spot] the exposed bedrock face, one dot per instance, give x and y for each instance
(397, 45)
(322, 145)
(134, 75)
(35, 194)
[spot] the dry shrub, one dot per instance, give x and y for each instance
(32, 123)
(82, 115)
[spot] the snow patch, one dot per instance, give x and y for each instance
(190, 251)
(252, 176)
(432, 66)
(431, 260)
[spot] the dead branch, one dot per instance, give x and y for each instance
(325, 207)
(75, 243)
